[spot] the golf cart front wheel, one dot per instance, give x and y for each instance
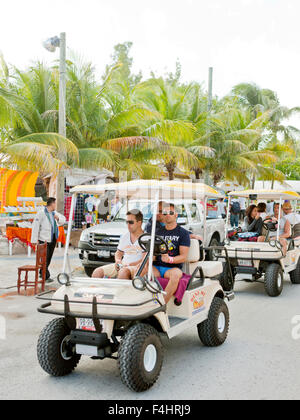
(273, 280)
(55, 353)
(295, 274)
(214, 330)
(140, 357)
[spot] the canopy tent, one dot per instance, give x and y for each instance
(15, 184)
(149, 189)
(267, 194)
(229, 186)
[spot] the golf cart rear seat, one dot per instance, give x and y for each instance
(209, 268)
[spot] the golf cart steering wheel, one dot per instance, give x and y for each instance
(270, 226)
(160, 245)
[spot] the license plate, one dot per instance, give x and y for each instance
(87, 324)
(104, 254)
(247, 263)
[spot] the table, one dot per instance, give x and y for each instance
(24, 235)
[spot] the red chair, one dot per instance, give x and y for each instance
(40, 264)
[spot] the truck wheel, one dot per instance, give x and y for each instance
(214, 330)
(55, 354)
(273, 280)
(140, 357)
(225, 279)
(210, 256)
(89, 271)
(295, 274)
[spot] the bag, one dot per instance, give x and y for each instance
(235, 207)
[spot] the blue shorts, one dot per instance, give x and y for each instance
(162, 270)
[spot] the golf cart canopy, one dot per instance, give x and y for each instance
(266, 194)
(151, 189)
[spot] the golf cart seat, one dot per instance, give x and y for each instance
(209, 268)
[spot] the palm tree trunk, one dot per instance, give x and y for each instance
(171, 169)
(198, 172)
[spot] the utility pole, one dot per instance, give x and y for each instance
(209, 106)
(62, 118)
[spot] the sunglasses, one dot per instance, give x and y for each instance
(129, 222)
(171, 213)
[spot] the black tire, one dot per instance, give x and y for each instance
(89, 271)
(273, 280)
(131, 360)
(225, 279)
(295, 274)
(210, 256)
(214, 330)
(51, 346)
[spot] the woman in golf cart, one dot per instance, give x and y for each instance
(253, 223)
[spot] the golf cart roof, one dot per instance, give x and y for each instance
(148, 189)
(267, 194)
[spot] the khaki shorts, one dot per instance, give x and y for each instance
(111, 271)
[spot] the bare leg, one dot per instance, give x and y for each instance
(174, 275)
(124, 274)
(98, 273)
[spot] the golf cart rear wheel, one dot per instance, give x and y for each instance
(140, 357)
(295, 274)
(214, 330)
(273, 280)
(55, 354)
(225, 279)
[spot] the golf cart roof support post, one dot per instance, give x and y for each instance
(74, 196)
(279, 217)
(204, 221)
(227, 217)
(154, 217)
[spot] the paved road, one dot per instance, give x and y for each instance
(260, 359)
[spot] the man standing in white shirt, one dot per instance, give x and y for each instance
(45, 229)
(129, 254)
(221, 208)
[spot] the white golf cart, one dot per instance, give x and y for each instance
(123, 319)
(253, 261)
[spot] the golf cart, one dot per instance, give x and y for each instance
(123, 319)
(253, 261)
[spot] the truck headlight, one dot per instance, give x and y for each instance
(85, 236)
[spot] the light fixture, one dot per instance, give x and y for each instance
(63, 279)
(139, 283)
(52, 43)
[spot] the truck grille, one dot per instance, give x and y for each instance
(97, 239)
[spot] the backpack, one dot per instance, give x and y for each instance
(235, 207)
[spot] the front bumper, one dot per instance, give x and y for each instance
(90, 257)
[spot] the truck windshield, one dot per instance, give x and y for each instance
(144, 207)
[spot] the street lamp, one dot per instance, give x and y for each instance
(50, 45)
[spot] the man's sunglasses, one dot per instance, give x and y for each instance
(130, 222)
(171, 213)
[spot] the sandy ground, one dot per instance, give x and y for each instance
(260, 359)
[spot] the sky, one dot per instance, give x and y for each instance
(243, 40)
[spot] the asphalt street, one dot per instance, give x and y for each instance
(259, 360)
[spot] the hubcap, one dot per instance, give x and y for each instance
(221, 322)
(279, 281)
(66, 350)
(150, 357)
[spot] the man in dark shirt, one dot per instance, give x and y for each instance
(170, 265)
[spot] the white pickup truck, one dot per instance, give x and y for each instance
(98, 244)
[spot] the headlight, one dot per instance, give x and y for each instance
(85, 236)
(272, 242)
(139, 283)
(227, 241)
(63, 279)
